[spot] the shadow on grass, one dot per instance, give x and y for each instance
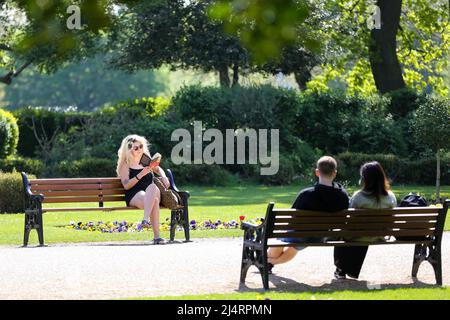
(282, 284)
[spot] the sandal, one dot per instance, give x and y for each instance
(146, 224)
(159, 241)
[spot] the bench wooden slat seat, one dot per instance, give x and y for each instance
(421, 226)
(40, 194)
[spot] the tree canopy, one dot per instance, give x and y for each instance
(409, 50)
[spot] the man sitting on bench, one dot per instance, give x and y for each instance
(325, 195)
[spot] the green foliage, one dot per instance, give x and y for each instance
(432, 123)
(334, 123)
(100, 135)
(11, 192)
(310, 124)
(256, 107)
(201, 174)
(177, 33)
(47, 123)
(398, 170)
(153, 107)
(349, 164)
(423, 171)
(27, 165)
(266, 27)
(402, 103)
(86, 85)
(9, 134)
(87, 167)
(285, 175)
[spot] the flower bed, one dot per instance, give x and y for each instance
(125, 226)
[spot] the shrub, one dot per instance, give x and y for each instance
(403, 102)
(46, 122)
(336, 123)
(349, 164)
(9, 134)
(11, 192)
(101, 135)
(154, 107)
(87, 168)
(257, 107)
(29, 166)
(398, 170)
(200, 174)
(285, 175)
(423, 171)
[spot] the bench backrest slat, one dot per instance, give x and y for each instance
(78, 190)
(75, 193)
(356, 226)
(417, 218)
(352, 234)
(74, 180)
(356, 212)
(83, 199)
(35, 188)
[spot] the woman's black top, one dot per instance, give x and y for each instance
(141, 185)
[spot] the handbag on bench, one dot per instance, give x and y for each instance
(169, 198)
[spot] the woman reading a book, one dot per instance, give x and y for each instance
(140, 191)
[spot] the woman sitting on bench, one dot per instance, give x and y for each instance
(375, 194)
(137, 180)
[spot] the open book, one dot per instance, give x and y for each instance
(153, 161)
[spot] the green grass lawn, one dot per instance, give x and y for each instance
(442, 293)
(225, 203)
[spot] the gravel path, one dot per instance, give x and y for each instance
(138, 269)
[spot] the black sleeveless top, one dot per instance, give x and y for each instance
(141, 185)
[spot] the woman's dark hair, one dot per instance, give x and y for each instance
(373, 179)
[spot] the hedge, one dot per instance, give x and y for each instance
(11, 192)
(9, 134)
(398, 171)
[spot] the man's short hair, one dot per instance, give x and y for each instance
(326, 165)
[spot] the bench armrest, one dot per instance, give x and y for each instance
(26, 185)
(253, 234)
(249, 226)
(173, 185)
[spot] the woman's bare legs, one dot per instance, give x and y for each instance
(149, 201)
(153, 196)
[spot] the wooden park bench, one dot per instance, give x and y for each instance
(81, 190)
(421, 226)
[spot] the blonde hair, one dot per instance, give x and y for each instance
(124, 152)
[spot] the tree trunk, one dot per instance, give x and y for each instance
(235, 75)
(438, 177)
(386, 69)
(302, 77)
(224, 76)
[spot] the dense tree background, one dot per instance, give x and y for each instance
(86, 86)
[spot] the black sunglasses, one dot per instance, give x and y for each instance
(135, 148)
